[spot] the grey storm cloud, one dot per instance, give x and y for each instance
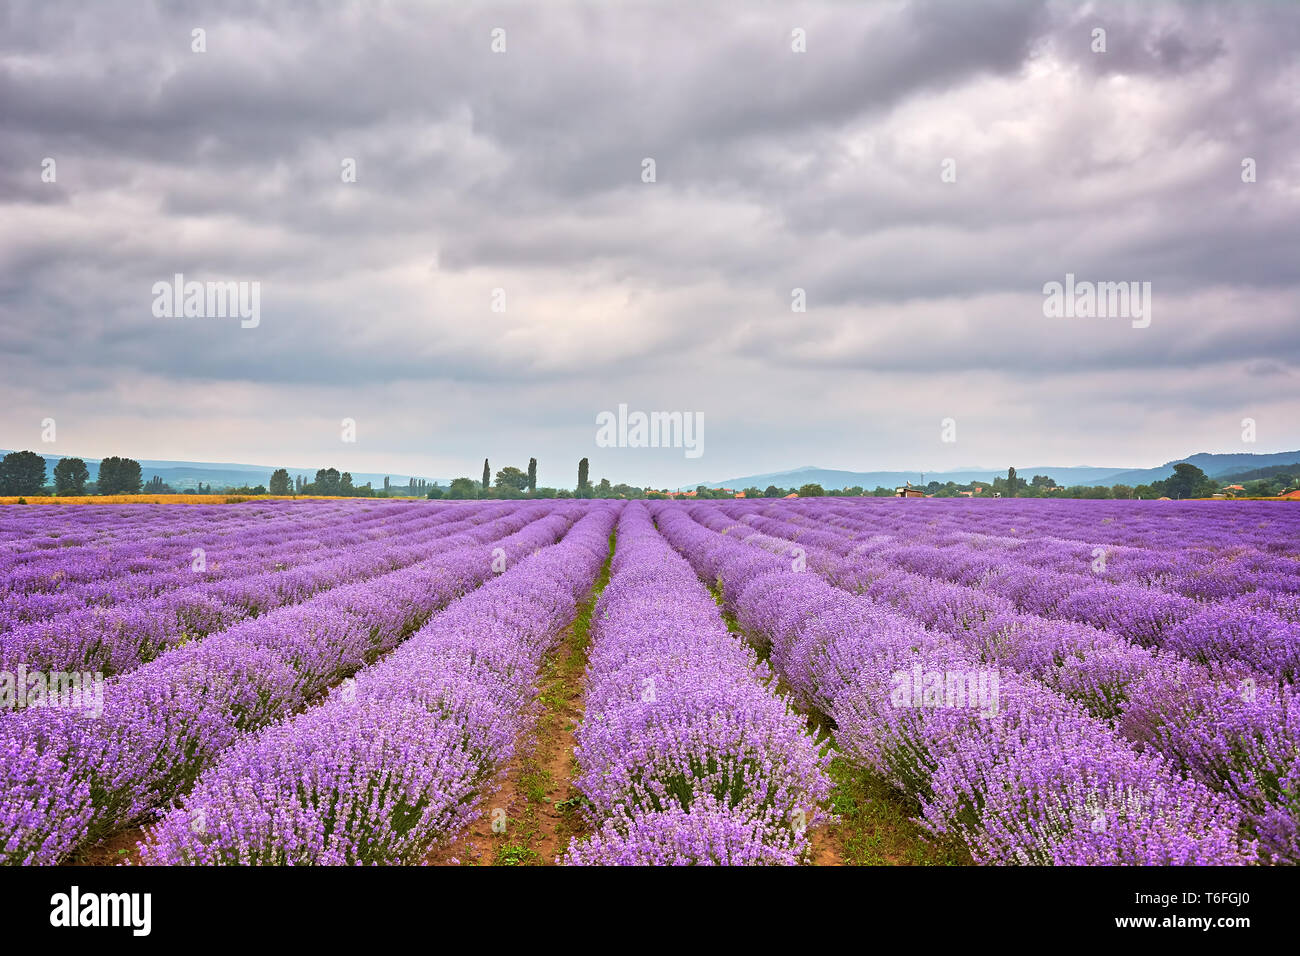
(775, 170)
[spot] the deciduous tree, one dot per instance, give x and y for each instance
(22, 473)
(280, 482)
(119, 476)
(463, 488)
(511, 477)
(70, 477)
(327, 481)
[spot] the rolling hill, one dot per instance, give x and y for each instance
(1214, 465)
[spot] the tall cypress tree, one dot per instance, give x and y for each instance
(487, 475)
(532, 475)
(583, 467)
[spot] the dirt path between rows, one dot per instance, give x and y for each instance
(827, 847)
(537, 793)
(536, 780)
(115, 849)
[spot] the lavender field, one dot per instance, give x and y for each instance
(354, 681)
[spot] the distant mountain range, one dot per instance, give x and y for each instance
(188, 474)
(1216, 466)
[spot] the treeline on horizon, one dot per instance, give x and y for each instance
(1187, 481)
(23, 473)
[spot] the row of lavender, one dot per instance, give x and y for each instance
(30, 532)
(1079, 580)
(43, 537)
(1023, 773)
(50, 582)
(1218, 566)
(685, 753)
(401, 757)
(119, 638)
(67, 780)
(1259, 630)
(1215, 723)
(1221, 722)
(56, 558)
(1182, 525)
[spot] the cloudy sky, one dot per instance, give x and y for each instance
(774, 170)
